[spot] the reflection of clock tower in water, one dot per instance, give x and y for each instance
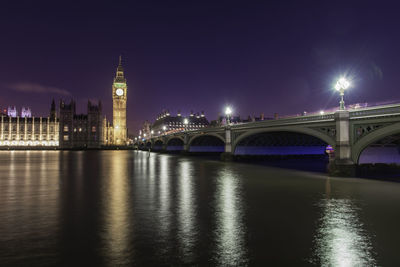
(119, 90)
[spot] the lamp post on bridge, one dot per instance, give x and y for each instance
(341, 85)
(185, 122)
(228, 112)
(343, 165)
(228, 153)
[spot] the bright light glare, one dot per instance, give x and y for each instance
(322, 112)
(186, 121)
(164, 127)
(228, 111)
(152, 132)
(342, 84)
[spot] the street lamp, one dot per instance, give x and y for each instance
(341, 85)
(228, 112)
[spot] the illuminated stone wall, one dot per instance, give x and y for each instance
(29, 132)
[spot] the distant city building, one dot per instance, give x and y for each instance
(80, 130)
(146, 129)
(12, 112)
(165, 123)
(21, 131)
(26, 112)
(237, 119)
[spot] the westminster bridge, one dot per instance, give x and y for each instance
(347, 132)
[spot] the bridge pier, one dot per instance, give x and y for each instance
(227, 155)
(185, 143)
(343, 164)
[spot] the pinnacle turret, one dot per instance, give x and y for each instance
(119, 77)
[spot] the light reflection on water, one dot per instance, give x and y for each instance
(164, 213)
(186, 211)
(230, 229)
(341, 239)
(123, 208)
(117, 223)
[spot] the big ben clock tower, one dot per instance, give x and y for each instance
(119, 90)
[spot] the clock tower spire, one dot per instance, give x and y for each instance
(119, 95)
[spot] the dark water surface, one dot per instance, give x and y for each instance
(119, 208)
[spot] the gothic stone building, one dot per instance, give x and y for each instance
(80, 131)
(29, 132)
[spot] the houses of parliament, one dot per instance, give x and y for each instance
(66, 129)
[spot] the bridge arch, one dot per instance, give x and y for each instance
(209, 142)
(158, 144)
(299, 130)
(175, 138)
(204, 135)
(175, 143)
(375, 136)
(149, 144)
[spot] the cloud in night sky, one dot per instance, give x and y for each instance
(28, 87)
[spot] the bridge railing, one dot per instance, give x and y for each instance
(386, 110)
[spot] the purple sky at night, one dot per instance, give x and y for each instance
(199, 55)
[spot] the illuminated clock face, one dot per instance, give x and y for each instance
(119, 92)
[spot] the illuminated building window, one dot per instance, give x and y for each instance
(66, 138)
(65, 128)
(74, 130)
(93, 129)
(80, 129)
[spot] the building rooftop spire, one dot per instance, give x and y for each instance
(119, 77)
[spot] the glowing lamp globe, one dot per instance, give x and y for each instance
(228, 111)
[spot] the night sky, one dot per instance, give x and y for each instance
(199, 55)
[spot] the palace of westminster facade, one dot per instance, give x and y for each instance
(68, 130)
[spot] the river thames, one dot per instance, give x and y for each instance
(123, 208)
